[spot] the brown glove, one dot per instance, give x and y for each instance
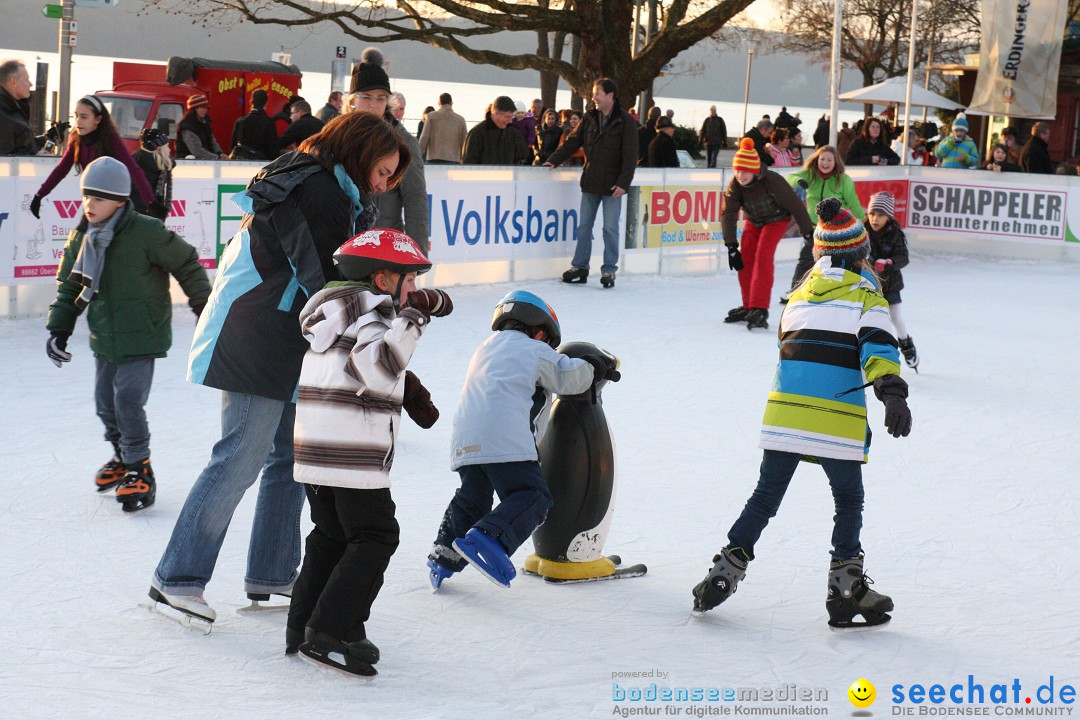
(417, 402)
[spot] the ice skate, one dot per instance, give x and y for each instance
(138, 488)
(356, 657)
(911, 356)
(192, 610)
(757, 318)
(736, 315)
(607, 280)
(258, 598)
(437, 573)
(111, 473)
(728, 570)
(850, 595)
(293, 640)
(487, 555)
(575, 275)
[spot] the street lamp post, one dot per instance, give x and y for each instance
(746, 92)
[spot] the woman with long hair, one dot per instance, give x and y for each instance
(573, 119)
(872, 146)
(822, 177)
(548, 136)
(94, 136)
(298, 211)
(156, 163)
(194, 136)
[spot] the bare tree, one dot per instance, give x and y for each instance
(602, 27)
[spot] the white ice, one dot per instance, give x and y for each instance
(971, 525)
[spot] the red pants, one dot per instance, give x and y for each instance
(758, 248)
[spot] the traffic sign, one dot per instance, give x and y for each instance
(53, 12)
(97, 3)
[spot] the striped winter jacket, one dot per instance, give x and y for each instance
(835, 331)
(348, 406)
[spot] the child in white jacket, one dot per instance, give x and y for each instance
(499, 421)
(353, 385)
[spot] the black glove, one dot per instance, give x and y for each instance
(893, 391)
(56, 348)
(417, 402)
(197, 309)
(734, 258)
(432, 303)
(157, 209)
(35, 207)
(604, 367)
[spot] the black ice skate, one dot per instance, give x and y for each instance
(607, 280)
(911, 356)
(757, 318)
(850, 595)
(736, 315)
(258, 598)
(138, 489)
(293, 640)
(729, 568)
(356, 657)
(111, 473)
(575, 275)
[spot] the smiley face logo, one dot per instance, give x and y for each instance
(862, 693)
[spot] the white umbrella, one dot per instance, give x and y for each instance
(894, 90)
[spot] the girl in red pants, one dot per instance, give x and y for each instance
(769, 204)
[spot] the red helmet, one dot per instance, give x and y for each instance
(380, 249)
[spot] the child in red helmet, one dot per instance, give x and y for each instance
(353, 385)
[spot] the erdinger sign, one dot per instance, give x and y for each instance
(990, 210)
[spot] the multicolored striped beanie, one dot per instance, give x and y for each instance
(839, 233)
(746, 157)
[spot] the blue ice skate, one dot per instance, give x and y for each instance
(487, 555)
(437, 573)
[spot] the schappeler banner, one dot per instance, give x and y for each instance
(1019, 58)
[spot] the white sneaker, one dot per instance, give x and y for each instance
(193, 605)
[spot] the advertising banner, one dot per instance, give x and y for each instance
(676, 215)
(1019, 58)
(1019, 212)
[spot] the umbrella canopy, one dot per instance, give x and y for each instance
(894, 90)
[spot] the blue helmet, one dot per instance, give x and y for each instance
(528, 309)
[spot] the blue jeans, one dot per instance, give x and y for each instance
(845, 478)
(524, 503)
(711, 152)
(120, 394)
(256, 433)
(612, 209)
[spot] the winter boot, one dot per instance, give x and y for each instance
(607, 280)
(911, 357)
(729, 568)
(356, 657)
(111, 473)
(850, 595)
(575, 275)
(757, 318)
(138, 489)
(736, 315)
(487, 554)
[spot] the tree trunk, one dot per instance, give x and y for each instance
(577, 100)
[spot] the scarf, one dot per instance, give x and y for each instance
(364, 217)
(91, 259)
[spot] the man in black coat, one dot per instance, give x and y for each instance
(713, 136)
(16, 136)
(303, 126)
(609, 138)
(494, 141)
(759, 134)
(254, 136)
(1035, 157)
(662, 150)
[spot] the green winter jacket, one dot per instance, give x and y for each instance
(818, 188)
(131, 317)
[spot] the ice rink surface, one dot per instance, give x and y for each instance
(971, 525)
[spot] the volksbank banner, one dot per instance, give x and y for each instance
(985, 210)
(1019, 58)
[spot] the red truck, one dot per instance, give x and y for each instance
(145, 95)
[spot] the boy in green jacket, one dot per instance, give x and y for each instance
(116, 266)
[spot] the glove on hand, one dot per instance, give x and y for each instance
(604, 367)
(734, 258)
(56, 347)
(198, 309)
(893, 391)
(35, 207)
(417, 402)
(880, 265)
(432, 303)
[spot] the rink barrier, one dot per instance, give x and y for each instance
(509, 224)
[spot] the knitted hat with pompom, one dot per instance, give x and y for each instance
(746, 157)
(839, 233)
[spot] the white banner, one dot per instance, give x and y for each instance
(1019, 58)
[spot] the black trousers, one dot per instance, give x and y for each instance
(345, 558)
(806, 261)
